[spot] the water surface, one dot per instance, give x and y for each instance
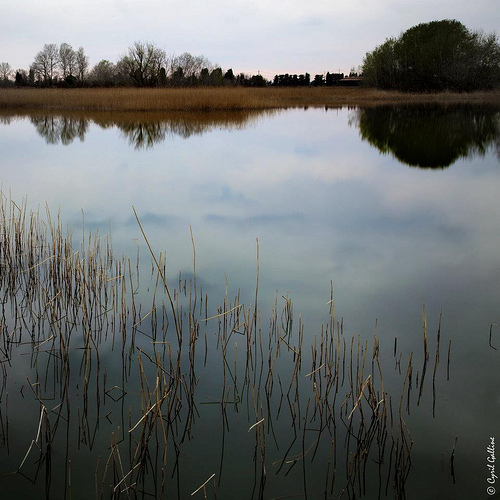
(324, 196)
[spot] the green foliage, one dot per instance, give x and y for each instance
(435, 56)
(103, 74)
(287, 80)
(162, 79)
(216, 77)
(71, 80)
(318, 80)
(333, 78)
(21, 78)
(431, 136)
(258, 81)
(229, 75)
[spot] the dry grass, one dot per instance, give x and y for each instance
(207, 99)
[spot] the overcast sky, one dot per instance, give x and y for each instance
(270, 36)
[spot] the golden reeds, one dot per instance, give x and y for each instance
(224, 98)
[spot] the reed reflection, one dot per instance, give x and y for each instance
(430, 136)
(142, 130)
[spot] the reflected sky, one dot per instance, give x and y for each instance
(324, 204)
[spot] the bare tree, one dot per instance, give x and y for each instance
(82, 64)
(67, 60)
(5, 71)
(144, 62)
(46, 62)
(190, 65)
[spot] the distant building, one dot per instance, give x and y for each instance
(351, 81)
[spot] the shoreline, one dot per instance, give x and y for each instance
(225, 98)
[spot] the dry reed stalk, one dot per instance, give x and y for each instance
(452, 460)
(424, 331)
(448, 363)
(491, 332)
(406, 379)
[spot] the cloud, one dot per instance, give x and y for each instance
(155, 219)
(260, 220)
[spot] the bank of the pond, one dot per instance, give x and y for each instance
(236, 98)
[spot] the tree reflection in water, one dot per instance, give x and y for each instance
(60, 129)
(142, 130)
(430, 136)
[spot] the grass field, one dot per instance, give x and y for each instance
(207, 99)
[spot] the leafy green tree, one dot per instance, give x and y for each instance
(333, 78)
(229, 76)
(103, 74)
(162, 80)
(380, 66)
(205, 77)
(435, 56)
(177, 78)
(258, 81)
(21, 78)
(318, 80)
(216, 77)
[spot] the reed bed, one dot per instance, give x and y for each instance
(123, 381)
(224, 98)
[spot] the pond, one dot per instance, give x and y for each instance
(298, 303)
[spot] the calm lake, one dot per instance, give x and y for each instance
(330, 322)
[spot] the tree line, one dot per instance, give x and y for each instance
(143, 65)
(304, 80)
(434, 56)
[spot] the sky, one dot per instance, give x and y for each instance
(258, 36)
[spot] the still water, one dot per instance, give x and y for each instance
(396, 208)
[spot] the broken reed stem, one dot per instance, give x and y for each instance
(162, 275)
(203, 485)
(256, 424)
(223, 313)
